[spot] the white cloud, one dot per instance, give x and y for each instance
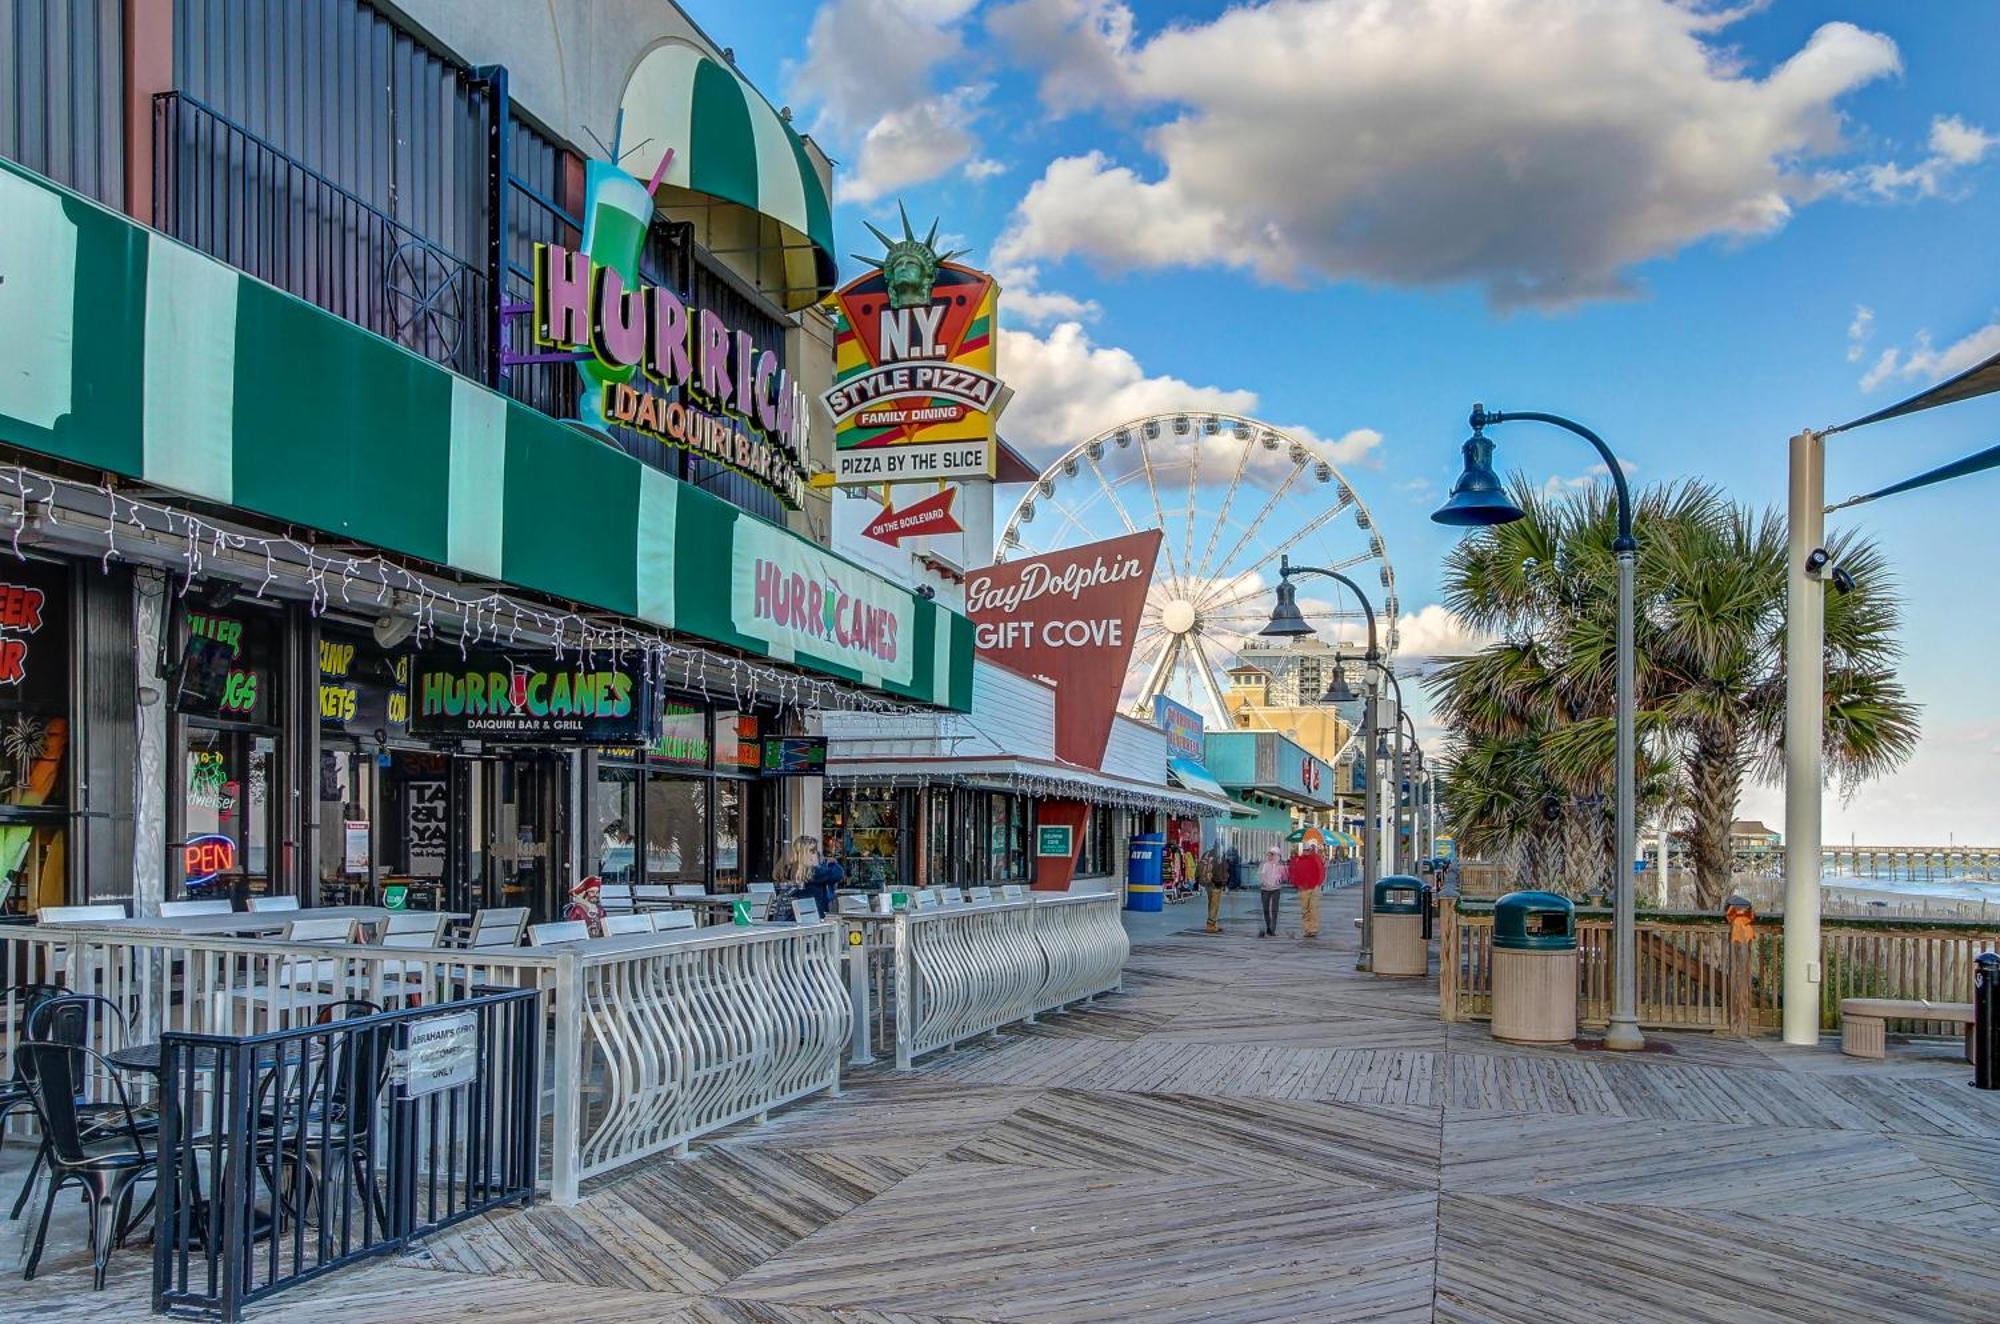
(981, 168)
(1068, 388)
(920, 141)
(1433, 631)
(1858, 332)
(1023, 300)
(1924, 363)
(1081, 47)
(1954, 145)
(869, 70)
(1538, 151)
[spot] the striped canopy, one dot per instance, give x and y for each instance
(730, 145)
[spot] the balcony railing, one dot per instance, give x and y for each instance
(237, 197)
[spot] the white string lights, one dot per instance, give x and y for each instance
(1048, 787)
(492, 618)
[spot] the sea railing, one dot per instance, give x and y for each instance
(1692, 976)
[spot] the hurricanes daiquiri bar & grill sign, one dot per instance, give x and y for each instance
(581, 699)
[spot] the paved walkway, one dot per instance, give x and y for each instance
(1253, 1132)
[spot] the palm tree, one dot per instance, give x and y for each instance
(1710, 663)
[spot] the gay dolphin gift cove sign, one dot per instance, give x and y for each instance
(1068, 617)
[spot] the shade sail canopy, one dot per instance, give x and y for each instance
(1971, 464)
(731, 147)
(1982, 379)
(1189, 775)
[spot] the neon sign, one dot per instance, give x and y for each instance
(206, 857)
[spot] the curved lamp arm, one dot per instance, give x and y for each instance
(1286, 570)
(1481, 416)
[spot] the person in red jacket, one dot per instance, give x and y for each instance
(1308, 874)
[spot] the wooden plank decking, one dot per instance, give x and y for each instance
(1253, 1132)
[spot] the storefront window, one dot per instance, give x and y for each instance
(615, 809)
(676, 829)
(1097, 859)
(736, 745)
(34, 736)
(943, 866)
(225, 692)
(865, 828)
(1007, 838)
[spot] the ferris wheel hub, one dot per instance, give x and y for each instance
(1178, 616)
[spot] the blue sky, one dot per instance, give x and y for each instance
(1663, 220)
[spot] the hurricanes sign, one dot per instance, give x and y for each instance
(914, 395)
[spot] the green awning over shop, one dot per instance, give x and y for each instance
(137, 356)
(730, 145)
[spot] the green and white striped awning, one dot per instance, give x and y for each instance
(730, 145)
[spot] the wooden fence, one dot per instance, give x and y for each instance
(1692, 977)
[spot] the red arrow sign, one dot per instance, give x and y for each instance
(931, 515)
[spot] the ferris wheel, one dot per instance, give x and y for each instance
(1231, 495)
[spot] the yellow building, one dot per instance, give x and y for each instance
(1254, 706)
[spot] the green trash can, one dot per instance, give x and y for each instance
(1400, 948)
(1534, 968)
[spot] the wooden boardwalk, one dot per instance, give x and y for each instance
(1253, 1132)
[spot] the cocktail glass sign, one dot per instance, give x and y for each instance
(651, 363)
(914, 397)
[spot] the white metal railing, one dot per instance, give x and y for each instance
(652, 1040)
(680, 1038)
(965, 970)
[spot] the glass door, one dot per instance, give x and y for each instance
(511, 830)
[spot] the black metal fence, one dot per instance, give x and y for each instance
(236, 196)
(287, 1154)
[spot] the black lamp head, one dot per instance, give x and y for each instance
(1339, 691)
(1287, 621)
(1477, 499)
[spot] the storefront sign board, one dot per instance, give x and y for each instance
(794, 756)
(442, 1054)
(531, 698)
(425, 825)
(914, 394)
(681, 375)
(1055, 839)
(798, 598)
(1068, 617)
(928, 516)
(1183, 726)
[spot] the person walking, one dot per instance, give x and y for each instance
(1214, 876)
(1232, 863)
(1270, 878)
(1308, 875)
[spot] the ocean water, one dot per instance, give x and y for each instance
(1968, 886)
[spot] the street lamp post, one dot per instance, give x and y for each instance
(1478, 500)
(1287, 622)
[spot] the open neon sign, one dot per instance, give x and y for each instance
(206, 857)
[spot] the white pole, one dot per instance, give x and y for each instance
(1666, 895)
(1805, 686)
(1623, 1035)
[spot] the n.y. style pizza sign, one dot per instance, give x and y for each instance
(1068, 617)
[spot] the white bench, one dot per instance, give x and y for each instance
(1864, 1021)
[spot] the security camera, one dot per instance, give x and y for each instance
(1843, 582)
(1816, 561)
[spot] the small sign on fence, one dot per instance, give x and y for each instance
(443, 1053)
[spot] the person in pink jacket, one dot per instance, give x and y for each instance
(1270, 884)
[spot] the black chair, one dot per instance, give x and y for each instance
(107, 1160)
(328, 1118)
(65, 1019)
(14, 1095)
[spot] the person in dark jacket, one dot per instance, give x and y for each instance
(824, 875)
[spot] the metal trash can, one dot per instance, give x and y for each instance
(1400, 948)
(1534, 968)
(1144, 888)
(1986, 1021)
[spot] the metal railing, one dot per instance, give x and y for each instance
(963, 970)
(677, 1039)
(648, 1042)
(288, 1154)
(237, 197)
